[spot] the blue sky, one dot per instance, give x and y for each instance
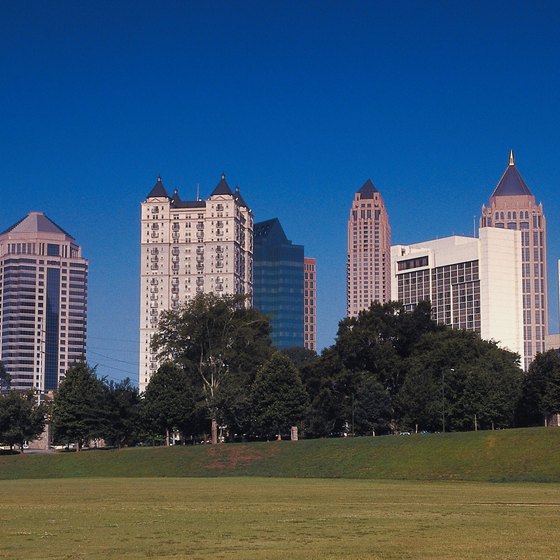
(297, 102)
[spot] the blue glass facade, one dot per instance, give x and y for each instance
(52, 322)
(278, 283)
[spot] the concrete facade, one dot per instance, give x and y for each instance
(472, 284)
(189, 247)
(369, 251)
(43, 303)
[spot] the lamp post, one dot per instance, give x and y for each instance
(443, 399)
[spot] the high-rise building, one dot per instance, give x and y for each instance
(278, 283)
(310, 303)
(471, 283)
(513, 206)
(43, 302)
(189, 247)
(369, 251)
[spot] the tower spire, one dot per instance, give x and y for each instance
(511, 158)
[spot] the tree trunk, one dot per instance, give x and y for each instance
(167, 443)
(214, 431)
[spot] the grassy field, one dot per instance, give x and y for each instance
(524, 455)
(255, 518)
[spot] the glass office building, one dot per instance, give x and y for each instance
(278, 276)
(43, 302)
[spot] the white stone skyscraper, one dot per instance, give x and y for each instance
(189, 247)
(43, 302)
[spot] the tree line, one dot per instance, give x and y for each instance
(388, 371)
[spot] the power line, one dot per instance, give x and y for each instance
(114, 339)
(114, 359)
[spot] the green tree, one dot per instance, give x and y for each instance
(123, 420)
(168, 401)
(278, 397)
(21, 419)
(456, 373)
(5, 379)
(371, 407)
(80, 408)
(221, 343)
(541, 389)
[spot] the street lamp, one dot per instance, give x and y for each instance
(443, 399)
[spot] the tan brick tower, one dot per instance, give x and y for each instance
(513, 206)
(369, 251)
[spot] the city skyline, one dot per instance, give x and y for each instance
(427, 101)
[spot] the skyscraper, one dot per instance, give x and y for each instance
(278, 283)
(189, 247)
(472, 284)
(43, 302)
(513, 206)
(369, 251)
(310, 303)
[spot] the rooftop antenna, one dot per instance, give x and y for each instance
(474, 226)
(197, 192)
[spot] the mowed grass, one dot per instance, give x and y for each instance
(277, 518)
(523, 455)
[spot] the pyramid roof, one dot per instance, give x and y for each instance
(36, 222)
(158, 191)
(368, 189)
(222, 187)
(511, 183)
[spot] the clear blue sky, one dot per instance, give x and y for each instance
(298, 102)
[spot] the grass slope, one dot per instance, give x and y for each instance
(528, 455)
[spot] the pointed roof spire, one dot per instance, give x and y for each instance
(367, 190)
(222, 187)
(158, 191)
(239, 198)
(511, 183)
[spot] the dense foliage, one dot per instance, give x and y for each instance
(219, 342)
(389, 370)
(21, 419)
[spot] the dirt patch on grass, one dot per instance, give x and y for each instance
(231, 456)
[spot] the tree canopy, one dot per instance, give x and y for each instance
(80, 410)
(220, 342)
(278, 398)
(21, 419)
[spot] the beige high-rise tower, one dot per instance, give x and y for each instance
(190, 247)
(513, 206)
(369, 251)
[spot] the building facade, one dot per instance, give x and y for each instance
(43, 302)
(189, 247)
(310, 303)
(369, 251)
(472, 284)
(513, 206)
(278, 283)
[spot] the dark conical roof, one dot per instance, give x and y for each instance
(158, 191)
(239, 198)
(367, 190)
(36, 222)
(222, 187)
(511, 183)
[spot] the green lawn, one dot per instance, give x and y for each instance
(523, 455)
(277, 518)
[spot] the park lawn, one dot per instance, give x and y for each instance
(277, 518)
